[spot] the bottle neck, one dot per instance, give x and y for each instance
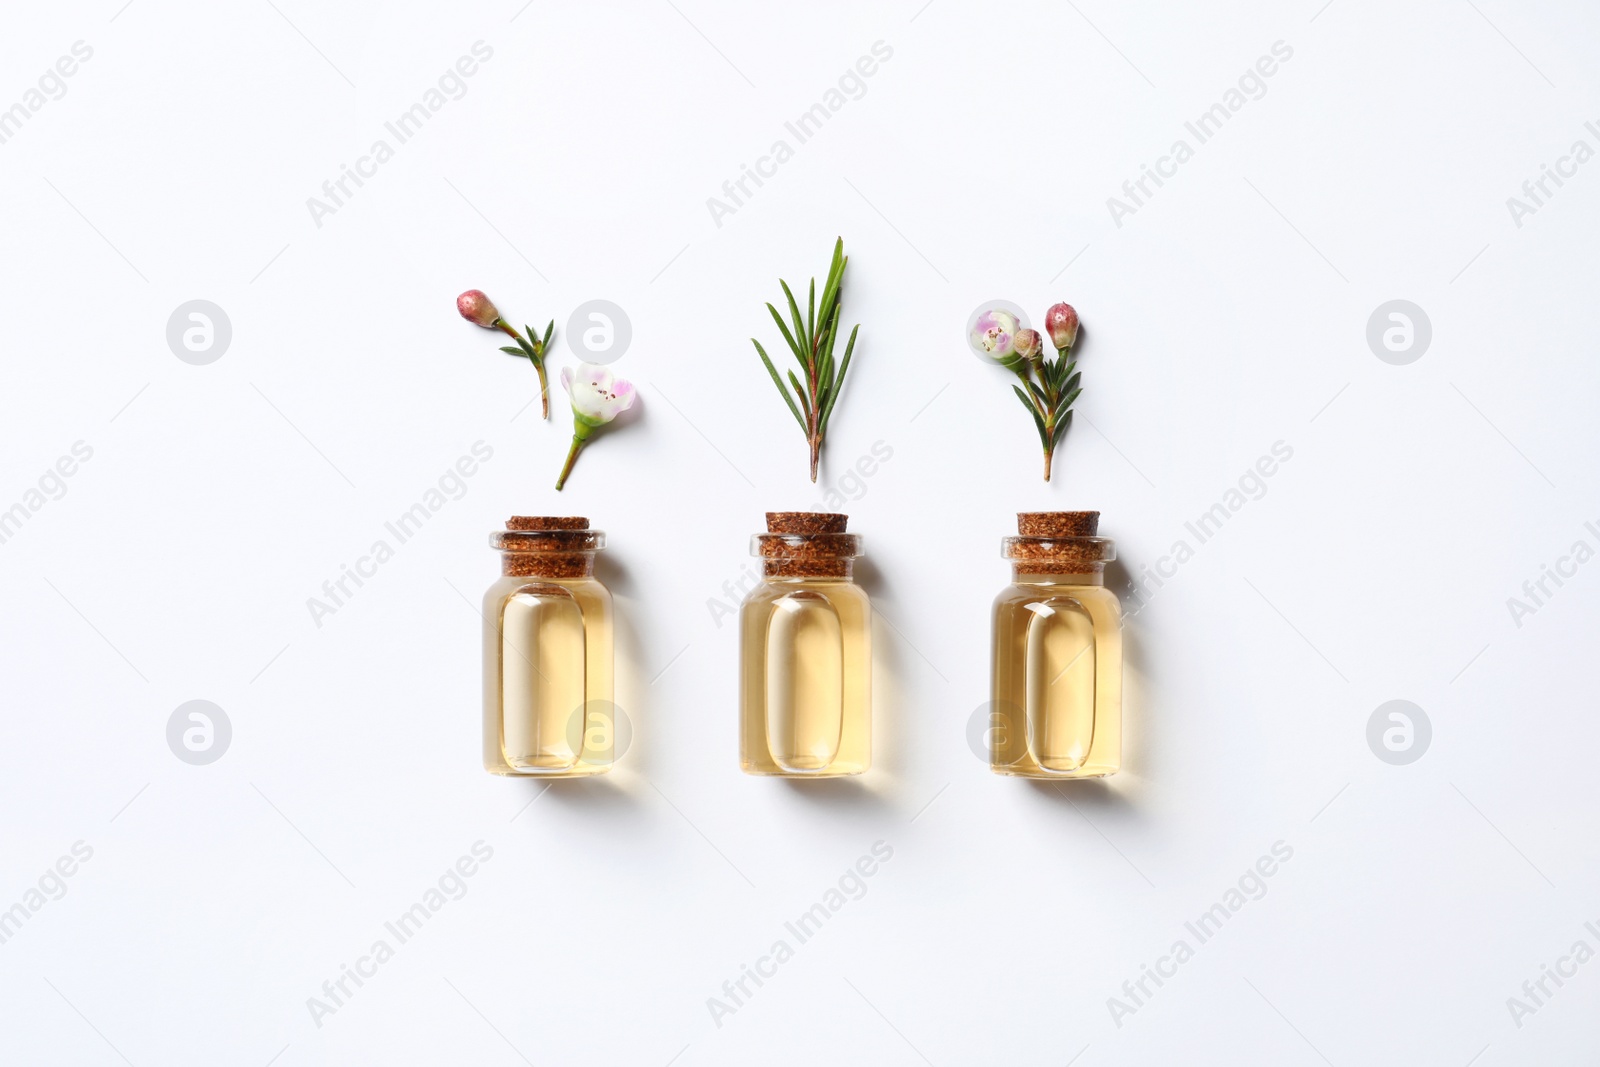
(808, 570)
(1020, 576)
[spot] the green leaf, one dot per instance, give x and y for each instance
(825, 362)
(1061, 428)
(1044, 438)
(838, 386)
(811, 310)
(1038, 394)
(830, 290)
(787, 336)
(799, 324)
(779, 383)
(1064, 405)
(513, 351)
(548, 330)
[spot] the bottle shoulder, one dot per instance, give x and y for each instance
(839, 592)
(585, 589)
(1019, 593)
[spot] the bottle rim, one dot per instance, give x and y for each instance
(1065, 549)
(819, 546)
(562, 542)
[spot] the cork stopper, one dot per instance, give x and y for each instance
(806, 522)
(546, 522)
(806, 544)
(1058, 542)
(543, 546)
(1058, 523)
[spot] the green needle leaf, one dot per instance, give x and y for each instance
(1061, 428)
(811, 310)
(787, 336)
(799, 324)
(1044, 438)
(838, 386)
(825, 363)
(779, 383)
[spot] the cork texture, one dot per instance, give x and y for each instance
(1058, 523)
(546, 565)
(806, 522)
(546, 522)
(1055, 557)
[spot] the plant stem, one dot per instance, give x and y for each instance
(544, 391)
(1048, 453)
(816, 409)
(572, 457)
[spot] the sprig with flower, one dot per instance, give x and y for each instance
(597, 395)
(597, 398)
(1048, 387)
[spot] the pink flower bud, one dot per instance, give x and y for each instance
(1029, 344)
(1062, 323)
(477, 308)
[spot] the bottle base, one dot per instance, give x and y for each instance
(779, 772)
(1041, 775)
(569, 772)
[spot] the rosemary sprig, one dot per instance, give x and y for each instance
(811, 340)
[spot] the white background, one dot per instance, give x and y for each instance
(1228, 313)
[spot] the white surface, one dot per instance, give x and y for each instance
(1227, 314)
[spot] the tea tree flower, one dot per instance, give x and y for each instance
(1048, 387)
(994, 336)
(476, 307)
(811, 341)
(597, 398)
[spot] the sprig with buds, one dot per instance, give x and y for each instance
(812, 342)
(1049, 387)
(479, 310)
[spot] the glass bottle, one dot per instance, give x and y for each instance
(805, 660)
(547, 663)
(1057, 692)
